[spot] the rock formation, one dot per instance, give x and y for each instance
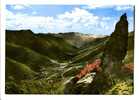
(116, 47)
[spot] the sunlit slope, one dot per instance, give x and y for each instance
(17, 70)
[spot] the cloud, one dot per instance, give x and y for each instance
(34, 12)
(81, 19)
(121, 8)
(19, 7)
(95, 6)
(117, 8)
(77, 20)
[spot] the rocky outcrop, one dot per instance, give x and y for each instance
(116, 47)
(90, 84)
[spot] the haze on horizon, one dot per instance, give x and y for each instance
(87, 19)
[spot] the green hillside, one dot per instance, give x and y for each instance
(17, 70)
(27, 56)
(47, 63)
(48, 45)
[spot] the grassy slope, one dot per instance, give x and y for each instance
(27, 56)
(90, 50)
(51, 46)
(17, 70)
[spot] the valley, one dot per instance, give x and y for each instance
(46, 63)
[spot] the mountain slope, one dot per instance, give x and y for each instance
(27, 56)
(18, 70)
(49, 45)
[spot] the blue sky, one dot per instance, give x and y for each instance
(43, 10)
(88, 19)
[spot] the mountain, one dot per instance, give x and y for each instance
(77, 39)
(49, 45)
(39, 63)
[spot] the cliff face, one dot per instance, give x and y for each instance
(116, 47)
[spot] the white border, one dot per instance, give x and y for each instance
(53, 97)
(2, 49)
(70, 2)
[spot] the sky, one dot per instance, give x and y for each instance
(87, 19)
